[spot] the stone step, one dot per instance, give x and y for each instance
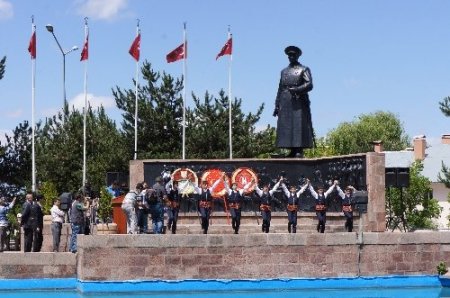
(252, 229)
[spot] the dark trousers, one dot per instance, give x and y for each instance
(3, 230)
(172, 214)
(348, 221)
(56, 233)
(235, 219)
(205, 214)
(322, 217)
(266, 217)
(292, 221)
(33, 239)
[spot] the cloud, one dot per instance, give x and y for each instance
(102, 9)
(351, 83)
(93, 101)
(14, 114)
(6, 10)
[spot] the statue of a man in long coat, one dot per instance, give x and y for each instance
(292, 106)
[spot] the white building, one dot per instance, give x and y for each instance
(432, 154)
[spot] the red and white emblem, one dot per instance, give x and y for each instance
(211, 176)
(186, 179)
(243, 176)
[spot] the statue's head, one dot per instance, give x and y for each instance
(293, 53)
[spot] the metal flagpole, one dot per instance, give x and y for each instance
(86, 34)
(136, 100)
(184, 93)
(33, 91)
(230, 99)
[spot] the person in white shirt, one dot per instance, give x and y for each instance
(293, 197)
(321, 203)
(205, 202)
(235, 198)
(57, 221)
(265, 204)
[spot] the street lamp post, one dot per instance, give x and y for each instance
(64, 53)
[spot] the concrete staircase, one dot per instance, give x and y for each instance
(220, 223)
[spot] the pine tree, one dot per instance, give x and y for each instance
(2, 67)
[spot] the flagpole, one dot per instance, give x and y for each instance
(86, 34)
(184, 93)
(230, 100)
(33, 92)
(136, 100)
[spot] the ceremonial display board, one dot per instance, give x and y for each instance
(349, 170)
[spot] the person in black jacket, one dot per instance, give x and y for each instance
(32, 221)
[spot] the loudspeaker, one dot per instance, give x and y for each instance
(391, 177)
(403, 177)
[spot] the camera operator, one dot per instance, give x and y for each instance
(77, 218)
(4, 223)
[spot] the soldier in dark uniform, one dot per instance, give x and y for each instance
(321, 204)
(347, 208)
(266, 198)
(292, 106)
(293, 198)
(173, 205)
(235, 198)
(205, 202)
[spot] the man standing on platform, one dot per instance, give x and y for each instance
(321, 204)
(235, 198)
(292, 106)
(205, 202)
(266, 198)
(347, 202)
(4, 223)
(293, 197)
(57, 222)
(32, 221)
(173, 205)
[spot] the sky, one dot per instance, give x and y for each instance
(364, 56)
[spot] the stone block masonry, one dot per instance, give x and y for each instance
(259, 256)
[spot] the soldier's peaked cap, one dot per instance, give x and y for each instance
(293, 49)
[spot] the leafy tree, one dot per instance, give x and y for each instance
(15, 172)
(207, 131)
(402, 204)
(49, 194)
(357, 136)
(160, 110)
(444, 106)
(59, 150)
(2, 67)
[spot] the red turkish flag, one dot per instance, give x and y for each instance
(135, 49)
(179, 53)
(227, 48)
(32, 46)
(85, 51)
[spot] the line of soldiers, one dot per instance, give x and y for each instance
(144, 201)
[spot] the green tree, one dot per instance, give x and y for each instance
(402, 204)
(160, 111)
(357, 136)
(207, 131)
(444, 106)
(2, 67)
(15, 159)
(59, 149)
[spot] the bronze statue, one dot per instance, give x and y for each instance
(292, 106)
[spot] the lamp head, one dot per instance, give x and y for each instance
(49, 28)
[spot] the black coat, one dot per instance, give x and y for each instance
(294, 125)
(32, 216)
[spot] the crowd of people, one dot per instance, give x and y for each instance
(163, 197)
(144, 202)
